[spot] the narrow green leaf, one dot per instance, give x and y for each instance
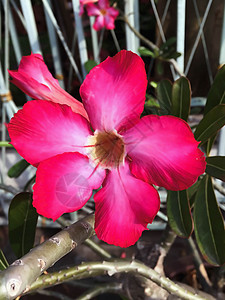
(22, 223)
(210, 123)
(209, 224)
(3, 262)
(164, 95)
(18, 168)
(181, 98)
(179, 213)
(216, 167)
(90, 64)
(217, 92)
(145, 52)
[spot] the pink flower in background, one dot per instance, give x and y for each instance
(125, 154)
(105, 15)
(34, 79)
(84, 2)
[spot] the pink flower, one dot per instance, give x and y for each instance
(105, 15)
(84, 2)
(34, 79)
(125, 154)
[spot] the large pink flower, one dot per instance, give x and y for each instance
(105, 15)
(125, 154)
(34, 79)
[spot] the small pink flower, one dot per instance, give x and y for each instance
(84, 2)
(34, 79)
(105, 15)
(125, 154)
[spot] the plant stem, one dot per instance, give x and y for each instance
(91, 269)
(19, 276)
(95, 247)
(203, 276)
(101, 289)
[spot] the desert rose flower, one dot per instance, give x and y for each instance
(84, 2)
(34, 79)
(105, 15)
(124, 154)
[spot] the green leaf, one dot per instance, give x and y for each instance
(217, 92)
(209, 224)
(191, 191)
(18, 168)
(181, 98)
(90, 64)
(3, 262)
(164, 94)
(171, 41)
(145, 52)
(216, 167)
(22, 223)
(210, 123)
(179, 213)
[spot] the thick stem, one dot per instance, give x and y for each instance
(23, 272)
(91, 244)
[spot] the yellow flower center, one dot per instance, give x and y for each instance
(106, 149)
(103, 11)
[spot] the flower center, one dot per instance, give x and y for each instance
(103, 11)
(106, 149)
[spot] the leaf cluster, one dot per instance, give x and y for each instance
(197, 208)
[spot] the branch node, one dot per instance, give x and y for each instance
(85, 225)
(13, 286)
(74, 245)
(41, 264)
(55, 240)
(18, 262)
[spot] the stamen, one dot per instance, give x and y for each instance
(109, 149)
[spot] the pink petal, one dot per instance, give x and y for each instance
(103, 4)
(124, 207)
(43, 129)
(34, 79)
(109, 22)
(113, 12)
(164, 152)
(113, 92)
(99, 22)
(92, 10)
(64, 183)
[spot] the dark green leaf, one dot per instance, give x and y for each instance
(191, 191)
(145, 52)
(216, 167)
(159, 67)
(171, 41)
(217, 92)
(18, 168)
(3, 262)
(90, 64)
(181, 98)
(179, 213)
(164, 95)
(208, 145)
(209, 224)
(22, 223)
(210, 123)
